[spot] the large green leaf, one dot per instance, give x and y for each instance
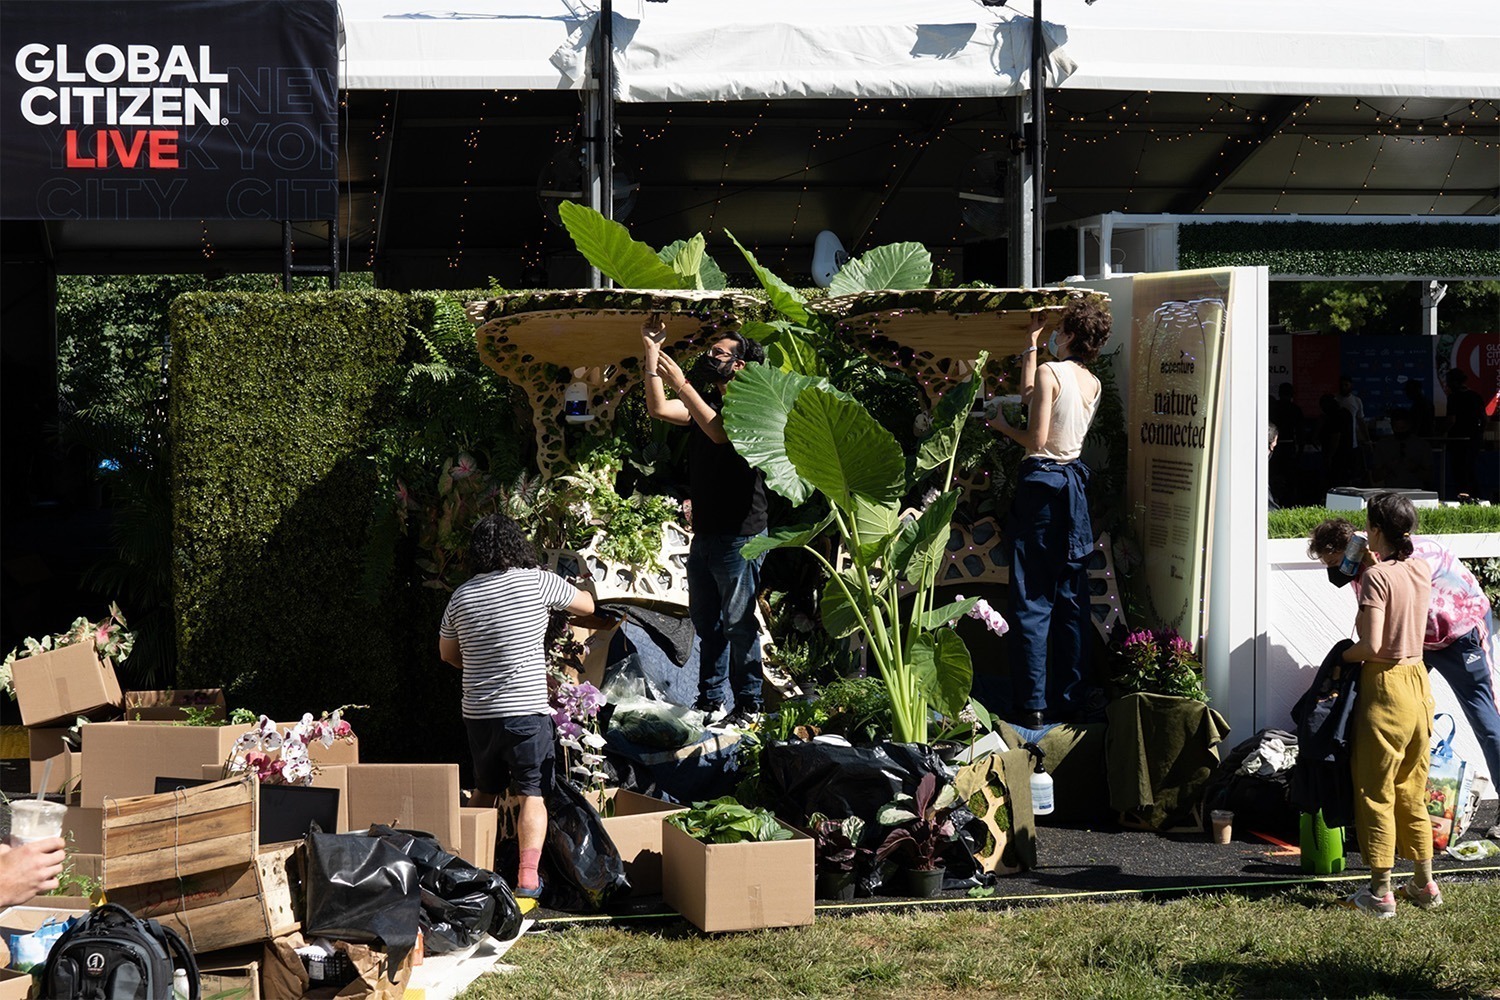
(793, 537)
(786, 349)
(938, 617)
(688, 259)
(940, 663)
(877, 526)
(607, 245)
(948, 420)
(838, 614)
(895, 266)
(923, 545)
(783, 297)
(836, 445)
(756, 405)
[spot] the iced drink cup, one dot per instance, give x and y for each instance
(1223, 825)
(33, 819)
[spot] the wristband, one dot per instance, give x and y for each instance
(1028, 350)
(652, 375)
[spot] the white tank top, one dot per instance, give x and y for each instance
(1071, 416)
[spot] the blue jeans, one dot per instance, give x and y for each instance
(722, 587)
(1464, 666)
(1048, 598)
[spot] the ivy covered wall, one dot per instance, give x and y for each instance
(1438, 249)
(273, 402)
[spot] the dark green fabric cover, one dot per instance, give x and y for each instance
(1159, 754)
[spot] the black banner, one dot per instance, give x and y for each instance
(169, 109)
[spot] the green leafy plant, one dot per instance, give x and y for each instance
(857, 707)
(923, 826)
(1158, 663)
(111, 639)
(200, 715)
(808, 437)
(608, 246)
(725, 821)
(836, 842)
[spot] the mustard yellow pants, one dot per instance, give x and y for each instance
(1390, 728)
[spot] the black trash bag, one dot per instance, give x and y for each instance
(802, 778)
(361, 889)
(584, 871)
(460, 902)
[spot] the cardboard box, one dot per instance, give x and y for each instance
(479, 829)
(63, 683)
(189, 860)
(231, 974)
(167, 706)
(84, 830)
(738, 887)
(412, 796)
(124, 759)
(65, 778)
(48, 741)
(14, 985)
(21, 920)
(334, 776)
(635, 827)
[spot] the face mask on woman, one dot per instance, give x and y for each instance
(1054, 343)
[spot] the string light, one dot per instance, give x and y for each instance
(207, 247)
(471, 140)
(377, 136)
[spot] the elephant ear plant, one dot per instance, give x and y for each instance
(807, 436)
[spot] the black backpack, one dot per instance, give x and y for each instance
(111, 954)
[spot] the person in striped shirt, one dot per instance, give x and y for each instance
(494, 630)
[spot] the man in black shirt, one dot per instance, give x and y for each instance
(728, 509)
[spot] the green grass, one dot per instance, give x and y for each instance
(1297, 522)
(1291, 944)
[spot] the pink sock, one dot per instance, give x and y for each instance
(526, 875)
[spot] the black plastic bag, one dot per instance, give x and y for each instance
(802, 778)
(459, 901)
(361, 889)
(583, 868)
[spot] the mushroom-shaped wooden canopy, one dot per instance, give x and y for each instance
(539, 339)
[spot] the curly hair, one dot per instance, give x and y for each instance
(1396, 518)
(1086, 322)
(1329, 537)
(497, 544)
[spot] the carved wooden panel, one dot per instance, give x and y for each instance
(537, 340)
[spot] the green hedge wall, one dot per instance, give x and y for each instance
(273, 401)
(1440, 249)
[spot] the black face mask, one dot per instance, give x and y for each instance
(710, 368)
(1337, 578)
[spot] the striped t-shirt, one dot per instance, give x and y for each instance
(500, 622)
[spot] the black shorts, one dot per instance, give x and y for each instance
(512, 753)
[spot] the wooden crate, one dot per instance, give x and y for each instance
(189, 860)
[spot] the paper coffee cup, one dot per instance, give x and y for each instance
(1223, 825)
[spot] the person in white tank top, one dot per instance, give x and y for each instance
(1049, 534)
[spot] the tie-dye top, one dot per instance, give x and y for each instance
(1458, 605)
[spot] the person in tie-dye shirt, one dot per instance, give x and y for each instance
(1457, 640)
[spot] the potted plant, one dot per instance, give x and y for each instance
(836, 843)
(922, 829)
(1157, 663)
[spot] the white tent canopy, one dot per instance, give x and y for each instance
(711, 50)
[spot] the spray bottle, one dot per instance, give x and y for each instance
(1041, 783)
